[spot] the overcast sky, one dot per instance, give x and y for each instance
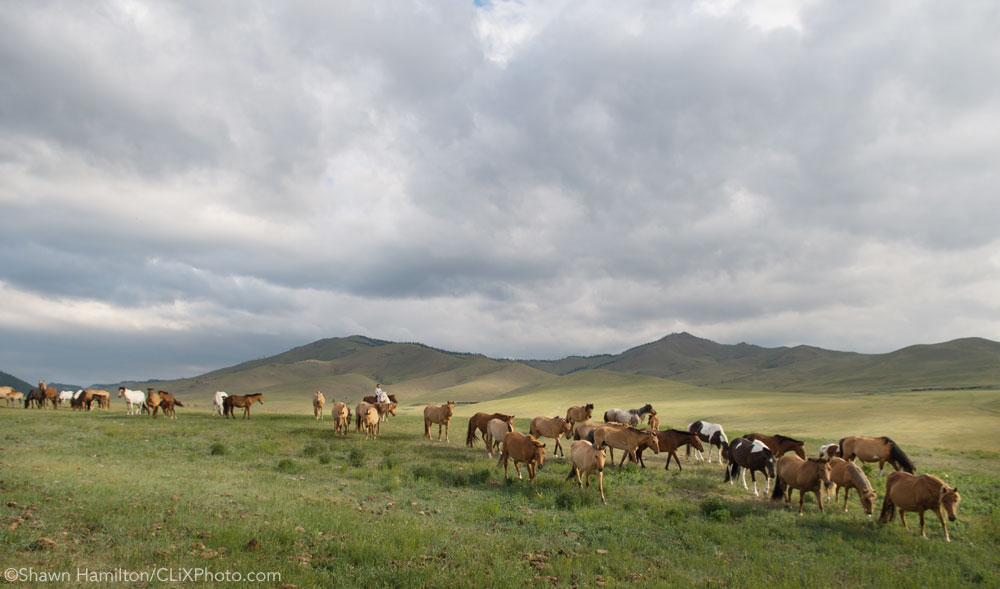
(185, 186)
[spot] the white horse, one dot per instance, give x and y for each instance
(66, 396)
(133, 400)
(219, 397)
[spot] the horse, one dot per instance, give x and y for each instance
(625, 438)
(152, 401)
(627, 416)
(780, 444)
(845, 474)
(583, 429)
(217, 402)
(879, 450)
(576, 414)
(370, 399)
(370, 421)
(587, 460)
(752, 455)
(907, 492)
(654, 421)
(5, 393)
(479, 422)
(340, 418)
(80, 398)
(441, 415)
(132, 400)
(669, 441)
(167, 403)
(829, 450)
(14, 397)
(51, 394)
(712, 434)
(805, 475)
(244, 401)
(522, 448)
(318, 401)
(381, 408)
(102, 397)
(359, 415)
(555, 428)
(495, 430)
(66, 396)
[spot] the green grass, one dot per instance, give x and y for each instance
(110, 491)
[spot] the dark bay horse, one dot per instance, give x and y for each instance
(479, 422)
(34, 396)
(779, 444)
(880, 450)
(244, 401)
(669, 441)
(752, 455)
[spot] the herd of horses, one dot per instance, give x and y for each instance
(777, 458)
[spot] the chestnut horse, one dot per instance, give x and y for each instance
(806, 475)
(879, 450)
(167, 403)
(576, 414)
(479, 421)
(441, 415)
(845, 474)
(907, 492)
(669, 441)
(244, 401)
(522, 448)
(51, 394)
(779, 444)
(554, 427)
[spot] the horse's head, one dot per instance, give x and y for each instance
(769, 465)
(949, 500)
(121, 391)
(695, 442)
(451, 407)
(868, 500)
(824, 468)
(651, 441)
(565, 427)
(727, 454)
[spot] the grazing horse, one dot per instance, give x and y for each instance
(217, 400)
(806, 475)
(576, 414)
(244, 401)
(752, 455)
(710, 433)
(66, 396)
(879, 450)
(829, 450)
(441, 415)
(5, 393)
(34, 396)
(555, 428)
(846, 475)
(14, 397)
(495, 430)
(341, 418)
(625, 438)
(51, 394)
(522, 448)
(479, 421)
(627, 416)
(318, 402)
(369, 422)
(102, 397)
(780, 444)
(587, 460)
(908, 492)
(132, 400)
(669, 441)
(81, 398)
(583, 429)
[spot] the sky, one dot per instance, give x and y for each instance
(188, 185)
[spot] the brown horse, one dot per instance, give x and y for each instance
(340, 419)
(81, 399)
(244, 401)
(625, 438)
(369, 422)
(478, 423)
(441, 415)
(907, 492)
(654, 424)
(805, 475)
(587, 460)
(318, 402)
(495, 430)
(779, 444)
(879, 450)
(522, 448)
(102, 397)
(583, 429)
(554, 427)
(51, 394)
(576, 414)
(846, 475)
(168, 402)
(669, 441)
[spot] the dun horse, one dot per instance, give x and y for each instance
(576, 414)
(441, 415)
(625, 438)
(752, 455)
(587, 460)
(478, 423)
(879, 450)
(340, 419)
(318, 402)
(846, 475)
(907, 492)
(806, 475)
(710, 433)
(555, 428)
(495, 430)
(244, 401)
(779, 444)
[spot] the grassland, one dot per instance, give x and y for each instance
(281, 494)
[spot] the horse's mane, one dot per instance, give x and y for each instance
(588, 406)
(858, 476)
(782, 438)
(679, 431)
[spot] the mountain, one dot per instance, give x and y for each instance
(8, 380)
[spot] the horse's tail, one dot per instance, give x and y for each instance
(896, 453)
(572, 473)
(840, 445)
(178, 403)
(779, 489)
(470, 437)
(427, 427)
(888, 509)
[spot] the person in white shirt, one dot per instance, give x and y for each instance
(380, 396)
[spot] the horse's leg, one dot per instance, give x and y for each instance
(902, 518)
(517, 467)
(559, 449)
(744, 478)
(600, 485)
(446, 424)
(922, 532)
(818, 492)
(753, 477)
(847, 491)
(802, 499)
(944, 524)
(767, 484)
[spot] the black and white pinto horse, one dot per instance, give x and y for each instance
(709, 433)
(627, 416)
(752, 455)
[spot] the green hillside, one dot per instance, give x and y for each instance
(9, 380)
